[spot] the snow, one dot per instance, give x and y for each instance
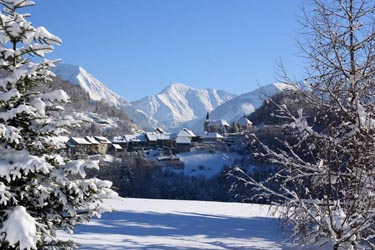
(42, 34)
(20, 228)
(58, 95)
(179, 103)
(243, 121)
(246, 103)
(12, 113)
(39, 105)
(186, 133)
(212, 135)
(8, 95)
(206, 163)
(79, 166)
(183, 140)
(96, 89)
(173, 224)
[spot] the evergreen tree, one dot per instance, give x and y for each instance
(40, 191)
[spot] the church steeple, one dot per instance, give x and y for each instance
(206, 122)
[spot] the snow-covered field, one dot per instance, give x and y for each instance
(205, 163)
(174, 224)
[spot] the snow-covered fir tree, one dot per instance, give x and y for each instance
(40, 190)
(326, 181)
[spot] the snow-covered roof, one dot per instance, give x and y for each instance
(135, 138)
(79, 140)
(116, 146)
(164, 137)
(183, 140)
(91, 139)
(218, 123)
(152, 136)
(102, 139)
(118, 139)
(243, 121)
(212, 135)
(186, 133)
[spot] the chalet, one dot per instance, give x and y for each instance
(244, 124)
(104, 144)
(185, 139)
(187, 133)
(152, 138)
(114, 149)
(77, 145)
(120, 140)
(183, 144)
(219, 126)
(94, 145)
(165, 140)
(131, 142)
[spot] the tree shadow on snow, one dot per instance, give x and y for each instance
(140, 230)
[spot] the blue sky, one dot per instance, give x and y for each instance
(138, 47)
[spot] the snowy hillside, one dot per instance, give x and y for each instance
(173, 224)
(96, 89)
(248, 102)
(180, 103)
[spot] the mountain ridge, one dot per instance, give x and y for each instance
(179, 103)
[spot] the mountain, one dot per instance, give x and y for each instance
(96, 89)
(107, 115)
(178, 104)
(248, 102)
(243, 104)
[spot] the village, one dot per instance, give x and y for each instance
(217, 134)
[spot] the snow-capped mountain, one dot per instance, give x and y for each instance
(176, 106)
(179, 103)
(248, 102)
(96, 89)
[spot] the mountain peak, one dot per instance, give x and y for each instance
(248, 102)
(179, 103)
(96, 89)
(176, 86)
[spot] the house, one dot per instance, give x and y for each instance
(187, 133)
(120, 140)
(165, 140)
(152, 138)
(219, 126)
(212, 137)
(104, 144)
(183, 144)
(94, 145)
(137, 141)
(244, 124)
(77, 145)
(131, 142)
(185, 139)
(115, 149)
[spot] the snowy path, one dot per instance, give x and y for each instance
(176, 225)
